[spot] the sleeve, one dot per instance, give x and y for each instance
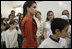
(64, 43)
(22, 28)
(29, 33)
(44, 30)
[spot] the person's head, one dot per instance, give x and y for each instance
(11, 17)
(12, 24)
(38, 15)
(21, 17)
(4, 20)
(50, 16)
(65, 12)
(59, 27)
(18, 14)
(13, 13)
(29, 7)
(3, 26)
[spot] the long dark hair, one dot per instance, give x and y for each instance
(27, 4)
(47, 15)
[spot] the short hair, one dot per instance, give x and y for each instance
(12, 22)
(3, 19)
(58, 23)
(12, 11)
(3, 24)
(36, 13)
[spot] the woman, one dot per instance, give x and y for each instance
(39, 22)
(47, 26)
(28, 25)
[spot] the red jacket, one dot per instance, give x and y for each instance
(29, 29)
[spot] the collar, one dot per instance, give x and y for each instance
(27, 15)
(54, 39)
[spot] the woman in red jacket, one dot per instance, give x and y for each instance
(28, 25)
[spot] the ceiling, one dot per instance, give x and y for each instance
(13, 3)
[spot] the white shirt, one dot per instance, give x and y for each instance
(68, 38)
(49, 43)
(16, 19)
(48, 28)
(40, 27)
(11, 41)
(3, 36)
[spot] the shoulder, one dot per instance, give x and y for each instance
(2, 33)
(44, 44)
(62, 40)
(7, 31)
(27, 19)
(14, 30)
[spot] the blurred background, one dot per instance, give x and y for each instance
(43, 6)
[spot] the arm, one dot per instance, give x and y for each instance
(29, 33)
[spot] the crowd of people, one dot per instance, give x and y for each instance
(28, 30)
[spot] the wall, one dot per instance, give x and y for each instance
(56, 6)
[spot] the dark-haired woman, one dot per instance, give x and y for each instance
(28, 25)
(47, 26)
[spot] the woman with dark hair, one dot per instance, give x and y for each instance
(28, 25)
(47, 26)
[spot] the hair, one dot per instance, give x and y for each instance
(37, 13)
(12, 11)
(3, 19)
(4, 25)
(19, 21)
(58, 23)
(27, 4)
(64, 11)
(12, 22)
(47, 15)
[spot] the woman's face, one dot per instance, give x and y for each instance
(50, 16)
(21, 17)
(38, 15)
(32, 9)
(66, 13)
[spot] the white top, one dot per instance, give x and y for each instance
(11, 41)
(48, 28)
(68, 38)
(64, 17)
(40, 27)
(3, 36)
(16, 19)
(49, 43)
